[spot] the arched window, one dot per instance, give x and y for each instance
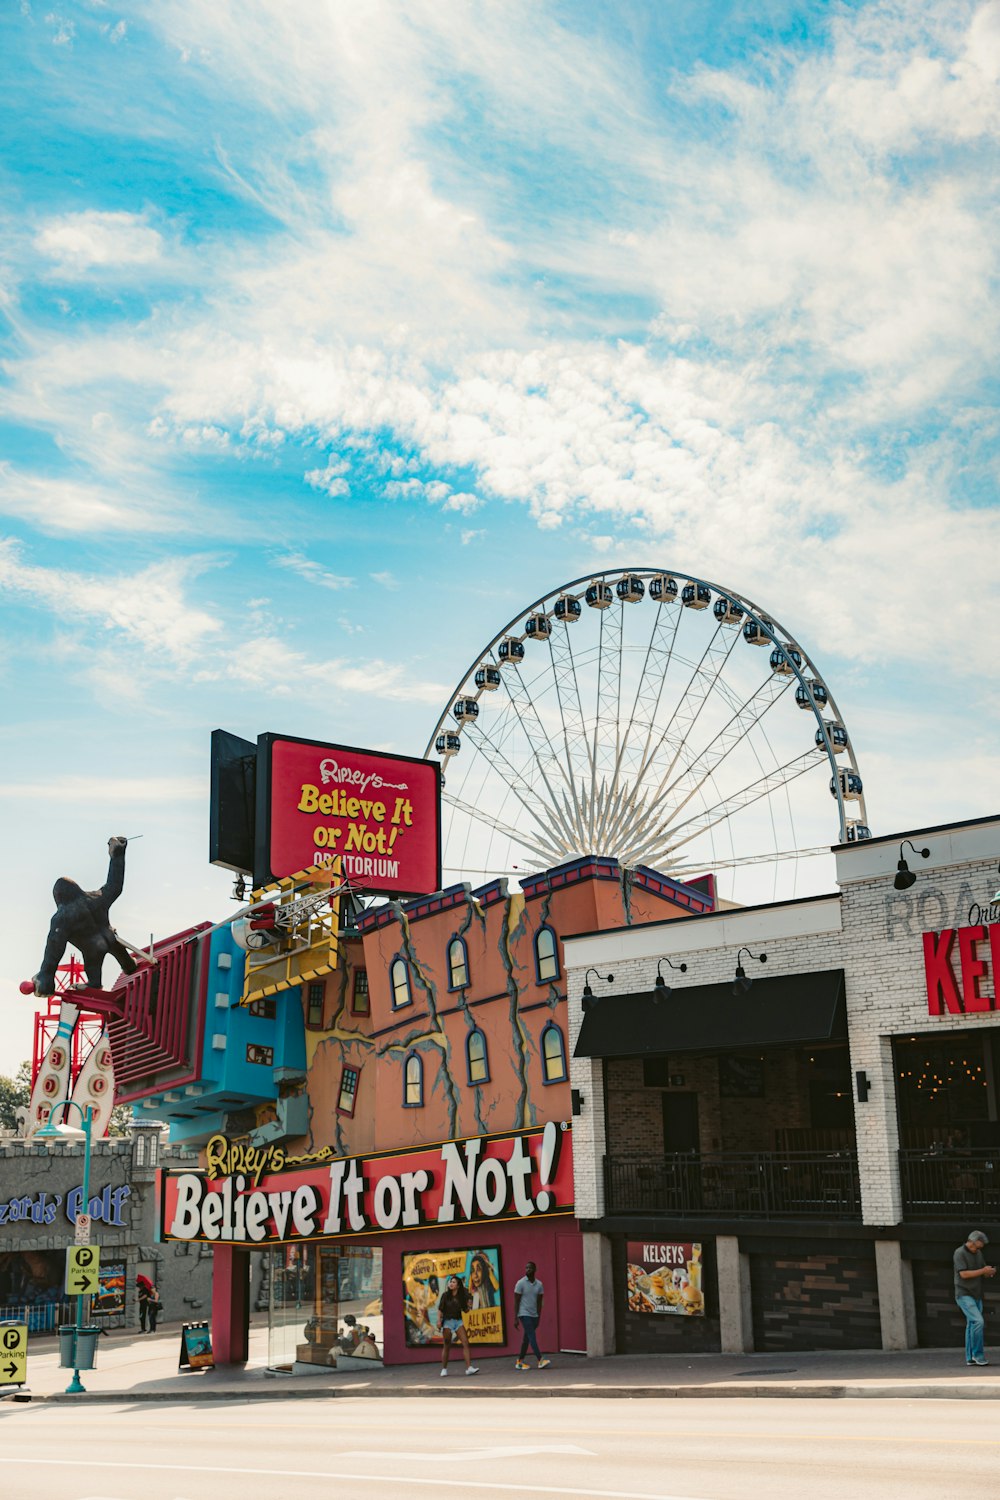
(476, 1057)
(553, 1054)
(413, 1082)
(458, 964)
(399, 982)
(546, 954)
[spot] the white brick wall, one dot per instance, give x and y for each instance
(870, 930)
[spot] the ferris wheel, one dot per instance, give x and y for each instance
(655, 717)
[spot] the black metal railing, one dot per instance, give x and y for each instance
(736, 1185)
(950, 1184)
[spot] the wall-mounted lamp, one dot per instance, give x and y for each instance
(863, 1085)
(577, 1101)
(741, 983)
(904, 875)
(589, 998)
(661, 989)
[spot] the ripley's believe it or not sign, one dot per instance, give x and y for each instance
(956, 969)
(379, 814)
(245, 1198)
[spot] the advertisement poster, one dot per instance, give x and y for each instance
(196, 1347)
(665, 1278)
(425, 1276)
(110, 1300)
(380, 814)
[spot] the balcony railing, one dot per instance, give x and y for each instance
(950, 1184)
(735, 1185)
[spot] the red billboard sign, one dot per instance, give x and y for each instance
(379, 814)
(958, 964)
(259, 1196)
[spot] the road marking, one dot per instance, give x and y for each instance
(459, 1484)
(466, 1455)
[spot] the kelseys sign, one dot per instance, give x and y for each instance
(380, 814)
(482, 1180)
(961, 965)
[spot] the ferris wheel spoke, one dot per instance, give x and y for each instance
(609, 669)
(567, 686)
(659, 658)
(705, 762)
(762, 787)
(705, 676)
(537, 807)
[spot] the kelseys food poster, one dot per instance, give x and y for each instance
(379, 813)
(425, 1279)
(665, 1278)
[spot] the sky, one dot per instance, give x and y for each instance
(333, 335)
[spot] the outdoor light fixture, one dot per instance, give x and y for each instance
(576, 1099)
(740, 981)
(661, 989)
(904, 875)
(589, 998)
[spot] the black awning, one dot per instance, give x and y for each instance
(710, 1018)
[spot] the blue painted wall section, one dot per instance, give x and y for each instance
(230, 1081)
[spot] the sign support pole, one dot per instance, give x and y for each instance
(76, 1384)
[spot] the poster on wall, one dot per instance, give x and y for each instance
(425, 1276)
(110, 1300)
(664, 1278)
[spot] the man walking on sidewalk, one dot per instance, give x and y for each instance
(970, 1272)
(529, 1295)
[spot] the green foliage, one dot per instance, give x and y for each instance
(14, 1093)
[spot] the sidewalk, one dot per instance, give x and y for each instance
(136, 1367)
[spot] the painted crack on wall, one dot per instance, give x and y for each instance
(514, 926)
(425, 983)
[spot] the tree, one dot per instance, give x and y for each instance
(14, 1094)
(121, 1119)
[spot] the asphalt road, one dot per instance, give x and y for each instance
(398, 1450)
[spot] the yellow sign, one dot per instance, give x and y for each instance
(83, 1265)
(13, 1353)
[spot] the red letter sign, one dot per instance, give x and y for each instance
(942, 993)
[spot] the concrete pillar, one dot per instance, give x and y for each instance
(735, 1306)
(896, 1304)
(230, 1305)
(598, 1294)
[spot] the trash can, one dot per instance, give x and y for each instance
(77, 1348)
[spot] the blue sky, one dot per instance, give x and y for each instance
(332, 335)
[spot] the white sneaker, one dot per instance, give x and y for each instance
(472, 1370)
(444, 1371)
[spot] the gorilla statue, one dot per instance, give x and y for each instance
(81, 918)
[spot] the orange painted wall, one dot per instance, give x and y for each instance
(504, 999)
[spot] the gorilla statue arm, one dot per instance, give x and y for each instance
(81, 918)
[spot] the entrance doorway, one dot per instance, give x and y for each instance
(324, 1304)
(680, 1123)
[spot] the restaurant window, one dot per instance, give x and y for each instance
(413, 1082)
(399, 982)
(476, 1058)
(360, 1003)
(348, 1091)
(458, 964)
(315, 996)
(546, 954)
(553, 1054)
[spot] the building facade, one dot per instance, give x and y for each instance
(782, 1155)
(402, 1111)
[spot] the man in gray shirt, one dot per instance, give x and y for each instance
(971, 1271)
(529, 1294)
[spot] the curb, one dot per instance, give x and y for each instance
(961, 1391)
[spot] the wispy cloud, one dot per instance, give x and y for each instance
(312, 572)
(79, 242)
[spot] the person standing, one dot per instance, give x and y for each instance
(971, 1271)
(529, 1295)
(149, 1303)
(455, 1301)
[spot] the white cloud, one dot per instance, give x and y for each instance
(386, 580)
(87, 790)
(70, 505)
(80, 242)
(312, 572)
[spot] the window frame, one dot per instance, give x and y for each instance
(549, 1027)
(413, 1057)
(477, 1031)
(464, 985)
(356, 995)
(547, 978)
(399, 959)
(320, 985)
(341, 1108)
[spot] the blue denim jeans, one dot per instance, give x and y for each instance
(530, 1338)
(974, 1323)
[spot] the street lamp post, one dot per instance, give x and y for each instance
(51, 1134)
